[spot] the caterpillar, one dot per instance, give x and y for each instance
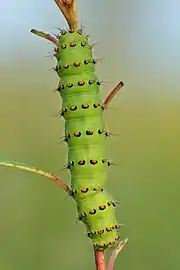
(85, 132)
(85, 135)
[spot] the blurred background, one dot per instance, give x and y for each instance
(140, 43)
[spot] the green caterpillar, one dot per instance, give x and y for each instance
(85, 134)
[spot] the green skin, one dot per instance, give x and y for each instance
(86, 147)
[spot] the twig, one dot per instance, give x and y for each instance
(113, 93)
(44, 35)
(115, 254)
(53, 177)
(68, 9)
(100, 260)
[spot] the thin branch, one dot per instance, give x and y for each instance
(53, 177)
(100, 260)
(44, 35)
(69, 10)
(113, 93)
(115, 254)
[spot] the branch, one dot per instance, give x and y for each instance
(100, 260)
(113, 93)
(53, 177)
(115, 254)
(44, 35)
(68, 9)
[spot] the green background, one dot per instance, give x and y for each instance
(140, 43)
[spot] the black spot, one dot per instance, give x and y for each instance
(84, 190)
(109, 203)
(77, 134)
(85, 106)
(102, 207)
(70, 85)
(71, 163)
(101, 231)
(93, 162)
(113, 203)
(66, 66)
(81, 83)
(77, 64)
(89, 132)
(63, 33)
(83, 43)
(86, 62)
(82, 162)
(90, 82)
(73, 108)
(73, 44)
(92, 212)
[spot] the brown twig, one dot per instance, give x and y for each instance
(44, 35)
(100, 260)
(68, 9)
(115, 254)
(53, 177)
(113, 93)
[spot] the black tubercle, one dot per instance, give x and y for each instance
(73, 108)
(89, 132)
(81, 162)
(77, 64)
(73, 44)
(102, 207)
(85, 106)
(84, 190)
(81, 83)
(66, 66)
(83, 43)
(91, 82)
(77, 134)
(92, 212)
(69, 85)
(93, 162)
(96, 105)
